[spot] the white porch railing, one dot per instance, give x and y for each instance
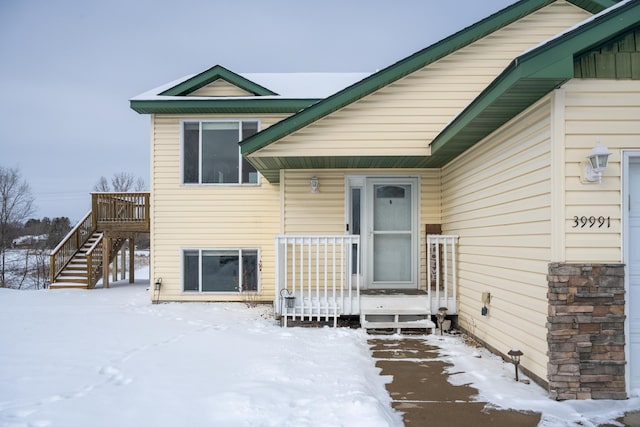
(442, 273)
(317, 277)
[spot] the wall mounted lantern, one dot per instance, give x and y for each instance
(315, 185)
(515, 358)
(597, 162)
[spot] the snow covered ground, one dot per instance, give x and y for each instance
(107, 357)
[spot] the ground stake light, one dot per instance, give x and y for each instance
(515, 358)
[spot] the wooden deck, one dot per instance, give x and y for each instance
(84, 255)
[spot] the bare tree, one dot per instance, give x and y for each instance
(140, 184)
(120, 182)
(16, 204)
(102, 186)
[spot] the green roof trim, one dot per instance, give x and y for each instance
(529, 77)
(233, 106)
(212, 74)
(406, 66)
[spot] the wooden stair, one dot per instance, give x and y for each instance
(74, 274)
(395, 313)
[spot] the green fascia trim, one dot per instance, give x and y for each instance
(237, 105)
(594, 6)
(212, 74)
(527, 79)
(404, 67)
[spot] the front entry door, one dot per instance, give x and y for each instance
(391, 237)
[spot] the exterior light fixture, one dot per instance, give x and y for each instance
(315, 186)
(158, 284)
(597, 162)
(515, 355)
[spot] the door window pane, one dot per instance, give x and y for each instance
(392, 258)
(392, 208)
(355, 226)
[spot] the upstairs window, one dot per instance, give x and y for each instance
(211, 152)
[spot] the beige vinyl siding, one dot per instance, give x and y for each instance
(401, 119)
(608, 110)
(220, 88)
(497, 198)
(206, 216)
(324, 212)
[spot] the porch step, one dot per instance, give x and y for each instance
(396, 311)
(397, 321)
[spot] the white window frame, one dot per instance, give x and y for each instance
(240, 290)
(200, 121)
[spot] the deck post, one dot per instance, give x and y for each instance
(132, 263)
(123, 261)
(106, 248)
(114, 269)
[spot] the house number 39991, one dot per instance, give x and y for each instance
(591, 222)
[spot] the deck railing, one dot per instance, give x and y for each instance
(319, 277)
(66, 249)
(442, 273)
(121, 211)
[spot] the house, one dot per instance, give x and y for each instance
(457, 177)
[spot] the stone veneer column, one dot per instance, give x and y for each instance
(585, 331)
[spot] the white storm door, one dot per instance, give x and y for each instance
(633, 260)
(392, 222)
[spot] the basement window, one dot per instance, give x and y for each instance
(211, 152)
(220, 270)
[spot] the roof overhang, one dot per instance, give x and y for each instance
(528, 78)
(517, 91)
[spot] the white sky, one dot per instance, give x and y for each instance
(69, 67)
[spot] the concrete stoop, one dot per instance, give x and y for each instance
(420, 389)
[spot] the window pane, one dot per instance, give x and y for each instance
(191, 157)
(220, 271)
(249, 173)
(249, 270)
(220, 153)
(249, 129)
(190, 270)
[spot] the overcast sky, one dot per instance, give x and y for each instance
(69, 67)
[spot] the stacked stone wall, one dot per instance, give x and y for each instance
(585, 331)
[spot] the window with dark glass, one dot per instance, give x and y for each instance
(211, 152)
(220, 270)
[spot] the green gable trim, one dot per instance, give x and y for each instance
(405, 67)
(235, 106)
(212, 74)
(616, 59)
(529, 77)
